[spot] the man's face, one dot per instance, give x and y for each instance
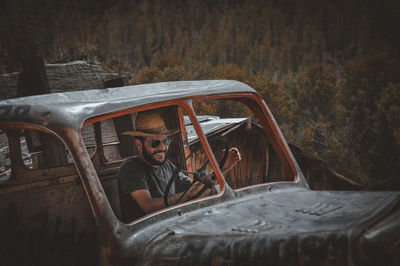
(154, 149)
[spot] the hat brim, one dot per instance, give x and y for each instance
(145, 134)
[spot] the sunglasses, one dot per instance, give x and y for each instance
(156, 142)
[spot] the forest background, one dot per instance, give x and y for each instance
(328, 70)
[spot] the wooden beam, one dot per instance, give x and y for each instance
(33, 81)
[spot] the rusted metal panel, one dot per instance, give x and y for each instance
(281, 223)
(41, 226)
(50, 225)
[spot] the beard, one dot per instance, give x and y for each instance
(149, 157)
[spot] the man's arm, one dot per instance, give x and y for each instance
(233, 158)
(150, 204)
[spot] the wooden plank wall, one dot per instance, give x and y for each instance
(73, 76)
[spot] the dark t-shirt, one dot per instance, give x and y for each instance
(136, 175)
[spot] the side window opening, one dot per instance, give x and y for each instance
(30, 155)
(44, 150)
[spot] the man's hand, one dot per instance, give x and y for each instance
(233, 158)
(194, 189)
(150, 204)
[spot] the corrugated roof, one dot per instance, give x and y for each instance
(213, 125)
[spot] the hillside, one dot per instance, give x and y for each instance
(329, 70)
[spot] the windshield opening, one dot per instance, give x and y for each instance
(231, 124)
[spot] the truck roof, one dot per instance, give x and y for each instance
(73, 108)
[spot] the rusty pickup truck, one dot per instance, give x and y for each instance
(59, 201)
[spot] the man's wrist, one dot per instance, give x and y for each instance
(172, 200)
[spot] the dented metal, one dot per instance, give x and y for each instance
(281, 223)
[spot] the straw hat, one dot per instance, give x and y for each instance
(150, 124)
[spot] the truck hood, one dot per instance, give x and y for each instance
(285, 225)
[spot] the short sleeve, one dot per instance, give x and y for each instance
(132, 177)
(183, 182)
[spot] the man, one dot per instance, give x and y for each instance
(142, 181)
